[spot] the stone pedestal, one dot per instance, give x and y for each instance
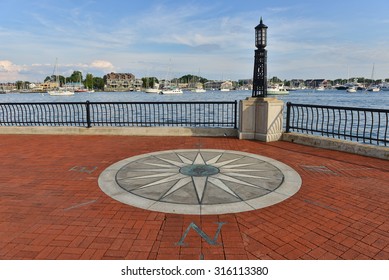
(261, 119)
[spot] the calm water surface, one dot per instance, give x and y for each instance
(379, 100)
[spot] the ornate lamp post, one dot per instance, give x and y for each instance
(260, 118)
(260, 62)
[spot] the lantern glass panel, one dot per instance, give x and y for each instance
(257, 38)
(263, 37)
(260, 37)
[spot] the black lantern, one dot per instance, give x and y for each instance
(260, 62)
(260, 35)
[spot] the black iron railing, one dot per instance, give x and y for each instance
(356, 124)
(146, 114)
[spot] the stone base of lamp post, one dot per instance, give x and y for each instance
(261, 119)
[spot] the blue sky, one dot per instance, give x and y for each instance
(306, 39)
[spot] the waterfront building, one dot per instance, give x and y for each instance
(47, 86)
(120, 82)
(226, 85)
(7, 87)
(218, 85)
(297, 84)
(245, 84)
(317, 83)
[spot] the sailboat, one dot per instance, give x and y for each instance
(59, 91)
(154, 88)
(373, 87)
(168, 88)
(81, 87)
(197, 87)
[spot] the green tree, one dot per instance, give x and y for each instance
(149, 82)
(98, 83)
(19, 84)
(53, 79)
(192, 79)
(89, 81)
(275, 80)
(62, 80)
(76, 77)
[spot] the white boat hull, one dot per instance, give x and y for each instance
(277, 92)
(198, 90)
(152, 90)
(60, 92)
(171, 91)
(374, 89)
(277, 89)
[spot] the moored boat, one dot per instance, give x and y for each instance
(277, 89)
(384, 86)
(152, 90)
(198, 90)
(373, 89)
(60, 92)
(171, 91)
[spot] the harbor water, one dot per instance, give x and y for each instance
(362, 99)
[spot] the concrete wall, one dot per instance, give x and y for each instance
(338, 145)
(129, 131)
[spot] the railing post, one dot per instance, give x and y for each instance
(236, 115)
(88, 122)
(288, 104)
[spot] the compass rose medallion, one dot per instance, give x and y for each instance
(199, 181)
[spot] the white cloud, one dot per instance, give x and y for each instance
(102, 65)
(9, 71)
(8, 67)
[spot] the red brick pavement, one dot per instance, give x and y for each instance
(52, 207)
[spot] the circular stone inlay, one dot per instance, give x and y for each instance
(199, 170)
(199, 181)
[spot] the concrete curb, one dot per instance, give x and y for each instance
(337, 145)
(125, 131)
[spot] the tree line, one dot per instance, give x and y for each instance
(97, 83)
(90, 81)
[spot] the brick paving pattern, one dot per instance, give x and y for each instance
(51, 206)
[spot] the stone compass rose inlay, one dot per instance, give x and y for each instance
(199, 181)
